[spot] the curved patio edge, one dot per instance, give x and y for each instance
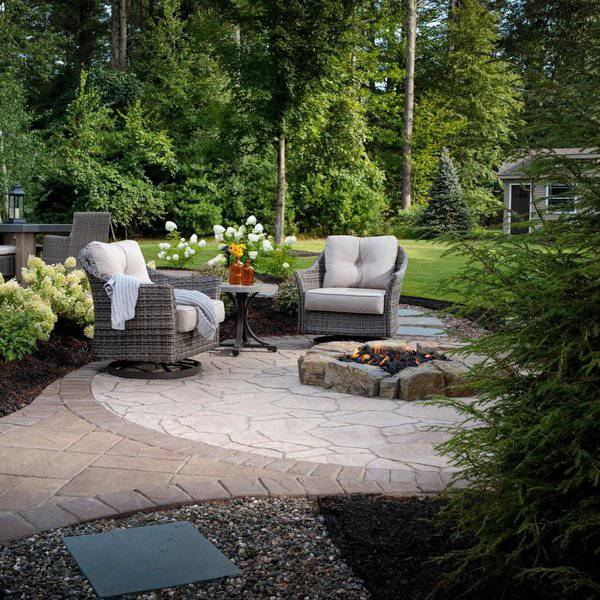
(267, 476)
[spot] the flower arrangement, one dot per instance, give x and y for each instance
(247, 242)
(177, 250)
(64, 288)
(25, 320)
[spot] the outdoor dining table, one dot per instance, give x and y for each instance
(22, 235)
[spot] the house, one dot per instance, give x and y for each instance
(526, 198)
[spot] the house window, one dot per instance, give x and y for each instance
(561, 198)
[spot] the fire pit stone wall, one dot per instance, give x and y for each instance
(321, 366)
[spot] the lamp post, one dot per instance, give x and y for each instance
(15, 205)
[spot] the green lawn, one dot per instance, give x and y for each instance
(426, 265)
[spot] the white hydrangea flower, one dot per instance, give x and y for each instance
(70, 263)
(219, 237)
(252, 254)
(175, 256)
(258, 228)
(252, 237)
(170, 226)
(181, 245)
(289, 240)
(191, 251)
(285, 265)
(168, 257)
(193, 238)
(151, 264)
(218, 230)
(162, 254)
(164, 245)
(267, 246)
(230, 232)
(202, 243)
(251, 220)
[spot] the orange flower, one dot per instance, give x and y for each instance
(237, 249)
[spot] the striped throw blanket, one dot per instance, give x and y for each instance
(123, 291)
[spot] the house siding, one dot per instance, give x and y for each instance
(538, 199)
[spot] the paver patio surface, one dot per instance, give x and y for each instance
(70, 457)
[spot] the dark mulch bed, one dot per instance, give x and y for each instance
(389, 543)
(264, 320)
(22, 380)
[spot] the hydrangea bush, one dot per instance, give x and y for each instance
(25, 320)
(255, 243)
(178, 250)
(64, 288)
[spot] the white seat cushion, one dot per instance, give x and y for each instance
(187, 316)
(349, 300)
(353, 262)
(6, 250)
(124, 258)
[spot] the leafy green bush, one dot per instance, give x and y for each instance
(25, 320)
(286, 300)
(532, 457)
(279, 262)
(65, 289)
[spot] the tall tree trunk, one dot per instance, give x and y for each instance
(114, 34)
(409, 100)
(123, 34)
(281, 189)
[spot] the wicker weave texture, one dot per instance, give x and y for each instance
(7, 265)
(87, 227)
(317, 322)
(152, 335)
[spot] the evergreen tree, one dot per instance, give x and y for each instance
(447, 210)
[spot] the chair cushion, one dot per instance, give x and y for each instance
(6, 250)
(120, 258)
(187, 316)
(349, 300)
(352, 262)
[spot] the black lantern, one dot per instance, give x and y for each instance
(15, 207)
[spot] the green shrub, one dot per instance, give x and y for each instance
(279, 262)
(65, 289)
(286, 300)
(447, 209)
(531, 516)
(25, 320)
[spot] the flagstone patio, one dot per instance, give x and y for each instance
(92, 446)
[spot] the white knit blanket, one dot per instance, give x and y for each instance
(123, 292)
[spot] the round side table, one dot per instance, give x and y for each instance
(242, 298)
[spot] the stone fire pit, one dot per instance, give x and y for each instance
(321, 366)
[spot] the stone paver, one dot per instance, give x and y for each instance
(253, 404)
(245, 428)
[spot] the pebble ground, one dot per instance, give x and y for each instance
(281, 547)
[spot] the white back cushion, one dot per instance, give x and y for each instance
(124, 258)
(359, 262)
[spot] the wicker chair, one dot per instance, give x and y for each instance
(354, 324)
(87, 227)
(153, 335)
(7, 260)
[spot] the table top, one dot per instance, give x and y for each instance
(35, 227)
(265, 289)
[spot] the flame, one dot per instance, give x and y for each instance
(356, 353)
(428, 356)
(366, 357)
(377, 348)
(417, 361)
(384, 360)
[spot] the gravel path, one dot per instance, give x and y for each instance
(281, 547)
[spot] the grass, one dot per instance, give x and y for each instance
(427, 266)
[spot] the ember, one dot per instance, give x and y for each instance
(390, 361)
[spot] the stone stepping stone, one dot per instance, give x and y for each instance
(420, 321)
(408, 330)
(409, 312)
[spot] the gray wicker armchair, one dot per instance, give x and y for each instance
(7, 260)
(155, 335)
(347, 316)
(87, 227)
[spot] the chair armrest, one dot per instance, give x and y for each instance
(208, 284)
(311, 278)
(394, 287)
(55, 249)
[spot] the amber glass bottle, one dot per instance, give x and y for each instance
(247, 274)
(235, 272)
